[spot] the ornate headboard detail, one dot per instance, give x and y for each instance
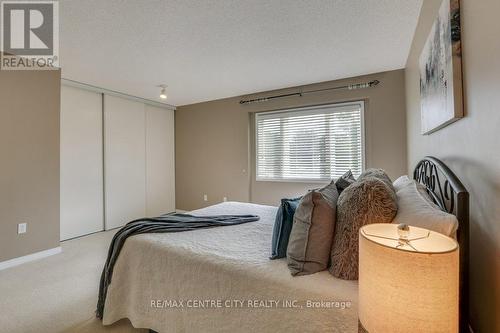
(451, 196)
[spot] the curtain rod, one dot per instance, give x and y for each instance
(348, 87)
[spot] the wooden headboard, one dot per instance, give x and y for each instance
(451, 196)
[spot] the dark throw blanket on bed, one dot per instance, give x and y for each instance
(164, 223)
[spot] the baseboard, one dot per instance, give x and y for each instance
(30, 257)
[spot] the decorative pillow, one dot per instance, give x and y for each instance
(400, 182)
(311, 238)
(417, 209)
(283, 227)
(368, 200)
(377, 173)
(344, 181)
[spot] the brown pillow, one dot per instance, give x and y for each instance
(368, 200)
(311, 238)
(377, 173)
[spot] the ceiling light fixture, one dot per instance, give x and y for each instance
(163, 92)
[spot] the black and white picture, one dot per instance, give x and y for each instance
(441, 70)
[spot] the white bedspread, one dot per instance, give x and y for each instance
(161, 280)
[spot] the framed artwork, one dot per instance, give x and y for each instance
(440, 66)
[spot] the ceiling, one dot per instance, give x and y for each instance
(211, 49)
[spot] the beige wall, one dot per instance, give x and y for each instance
(215, 142)
(470, 147)
(29, 169)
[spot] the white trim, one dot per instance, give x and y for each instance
(363, 136)
(76, 84)
(30, 257)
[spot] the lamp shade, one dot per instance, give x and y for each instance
(407, 286)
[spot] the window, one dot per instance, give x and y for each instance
(310, 144)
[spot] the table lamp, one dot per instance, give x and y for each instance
(408, 280)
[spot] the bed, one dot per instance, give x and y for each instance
(228, 263)
(221, 279)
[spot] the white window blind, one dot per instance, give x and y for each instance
(310, 144)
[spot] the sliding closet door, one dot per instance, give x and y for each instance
(160, 161)
(81, 163)
(124, 161)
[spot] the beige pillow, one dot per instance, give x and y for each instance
(417, 209)
(368, 200)
(401, 182)
(311, 238)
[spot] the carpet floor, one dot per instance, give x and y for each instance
(58, 294)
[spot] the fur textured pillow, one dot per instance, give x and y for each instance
(368, 200)
(378, 173)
